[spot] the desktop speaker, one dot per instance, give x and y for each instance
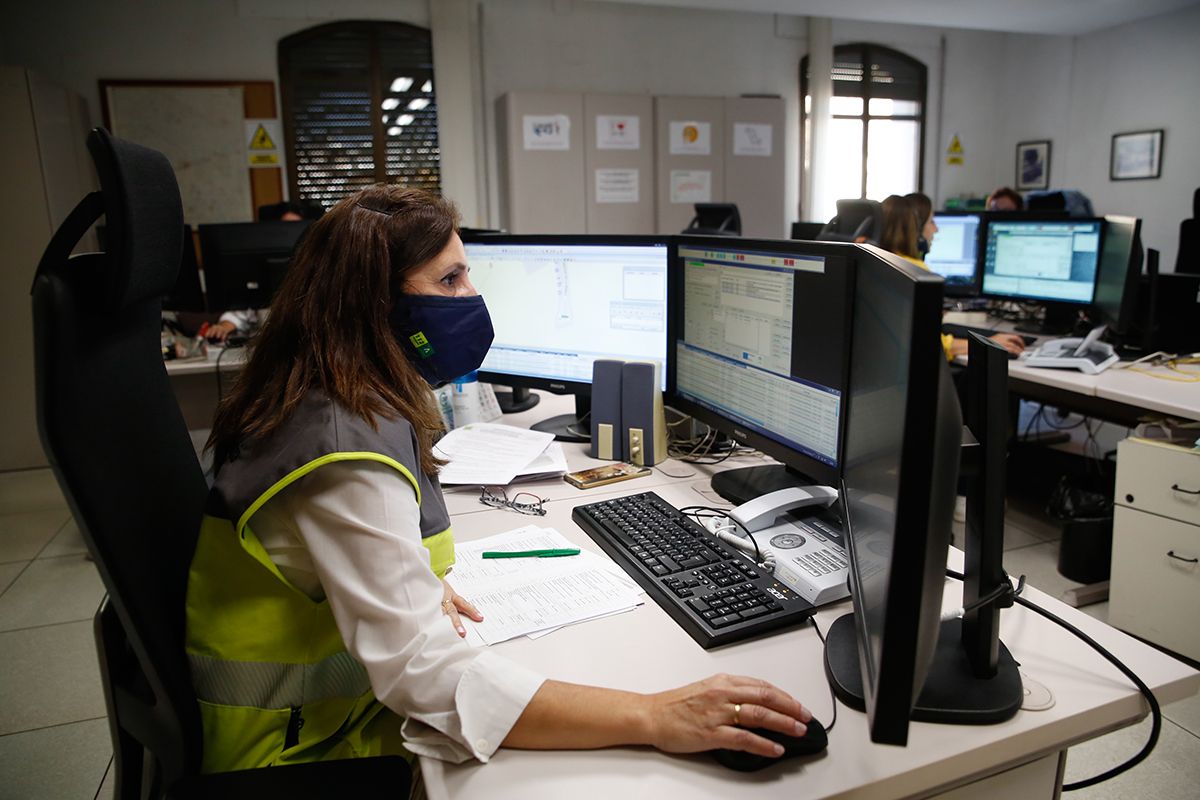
(607, 437)
(645, 424)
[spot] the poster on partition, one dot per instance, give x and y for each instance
(617, 185)
(546, 131)
(618, 132)
(691, 186)
(690, 138)
(752, 139)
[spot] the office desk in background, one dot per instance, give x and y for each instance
(645, 651)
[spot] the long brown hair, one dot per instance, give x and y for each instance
(328, 324)
(899, 227)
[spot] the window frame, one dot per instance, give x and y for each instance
(376, 88)
(864, 51)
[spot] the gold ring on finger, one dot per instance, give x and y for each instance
(737, 713)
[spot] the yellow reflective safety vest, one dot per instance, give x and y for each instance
(271, 673)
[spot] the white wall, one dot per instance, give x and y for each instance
(548, 45)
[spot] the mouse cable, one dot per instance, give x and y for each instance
(832, 696)
(1155, 710)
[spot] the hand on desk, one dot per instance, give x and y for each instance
(219, 331)
(1012, 342)
(708, 715)
(454, 604)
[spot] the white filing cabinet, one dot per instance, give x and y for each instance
(1155, 586)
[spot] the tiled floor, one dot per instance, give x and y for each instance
(54, 737)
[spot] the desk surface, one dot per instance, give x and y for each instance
(644, 650)
(1143, 391)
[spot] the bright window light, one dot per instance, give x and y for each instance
(395, 130)
(390, 103)
(405, 119)
(427, 87)
(402, 85)
(418, 103)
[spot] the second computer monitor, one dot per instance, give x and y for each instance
(761, 330)
(954, 252)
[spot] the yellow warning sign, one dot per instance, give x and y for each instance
(954, 153)
(262, 140)
(264, 159)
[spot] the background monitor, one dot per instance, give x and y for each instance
(558, 303)
(1120, 273)
(954, 252)
(244, 262)
(902, 441)
(759, 353)
(1048, 260)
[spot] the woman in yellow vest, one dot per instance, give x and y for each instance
(908, 231)
(319, 624)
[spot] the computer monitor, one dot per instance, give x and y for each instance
(759, 353)
(1120, 274)
(1050, 261)
(187, 294)
(558, 303)
(954, 252)
(244, 262)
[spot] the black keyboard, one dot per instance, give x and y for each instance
(961, 332)
(712, 591)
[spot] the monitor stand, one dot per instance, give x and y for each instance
(1059, 320)
(746, 483)
(952, 693)
(570, 427)
(519, 399)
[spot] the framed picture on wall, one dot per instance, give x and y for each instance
(1136, 155)
(1033, 165)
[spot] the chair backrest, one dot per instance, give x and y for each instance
(113, 432)
(1187, 259)
(855, 217)
(715, 219)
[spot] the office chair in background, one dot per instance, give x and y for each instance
(854, 218)
(117, 442)
(715, 219)
(1188, 258)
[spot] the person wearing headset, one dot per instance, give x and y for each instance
(908, 231)
(320, 621)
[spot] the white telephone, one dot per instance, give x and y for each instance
(1087, 354)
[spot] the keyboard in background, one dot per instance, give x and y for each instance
(961, 332)
(711, 591)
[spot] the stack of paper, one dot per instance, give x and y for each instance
(496, 455)
(535, 596)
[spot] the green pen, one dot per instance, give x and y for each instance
(573, 551)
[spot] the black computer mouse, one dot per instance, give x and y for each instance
(813, 741)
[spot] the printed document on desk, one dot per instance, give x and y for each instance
(524, 596)
(489, 454)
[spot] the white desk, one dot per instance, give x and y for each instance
(644, 650)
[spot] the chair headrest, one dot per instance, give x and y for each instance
(144, 217)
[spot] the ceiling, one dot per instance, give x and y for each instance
(1062, 17)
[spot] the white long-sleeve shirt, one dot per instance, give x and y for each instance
(350, 532)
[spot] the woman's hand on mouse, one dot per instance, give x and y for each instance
(716, 712)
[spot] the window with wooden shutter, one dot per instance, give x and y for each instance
(359, 107)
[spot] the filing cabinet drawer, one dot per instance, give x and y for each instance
(1159, 478)
(1154, 591)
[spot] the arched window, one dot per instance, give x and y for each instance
(358, 108)
(876, 140)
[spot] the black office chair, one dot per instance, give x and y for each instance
(715, 219)
(1188, 258)
(116, 440)
(855, 218)
(807, 231)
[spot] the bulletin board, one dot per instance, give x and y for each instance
(200, 126)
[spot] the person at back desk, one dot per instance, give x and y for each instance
(908, 231)
(326, 544)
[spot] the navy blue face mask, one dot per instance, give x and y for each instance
(444, 337)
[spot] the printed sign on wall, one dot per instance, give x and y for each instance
(751, 139)
(547, 132)
(263, 140)
(691, 186)
(616, 185)
(690, 138)
(617, 133)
